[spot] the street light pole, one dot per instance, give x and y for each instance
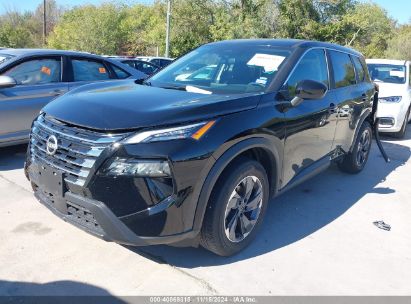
(168, 28)
(44, 22)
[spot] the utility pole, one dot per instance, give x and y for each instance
(44, 23)
(168, 28)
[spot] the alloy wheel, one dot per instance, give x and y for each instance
(363, 147)
(243, 209)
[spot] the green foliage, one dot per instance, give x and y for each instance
(399, 47)
(90, 28)
(14, 36)
(20, 30)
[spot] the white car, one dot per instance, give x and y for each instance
(393, 79)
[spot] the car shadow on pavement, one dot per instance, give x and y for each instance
(12, 157)
(10, 290)
(298, 213)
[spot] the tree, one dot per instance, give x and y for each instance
(90, 28)
(399, 47)
(299, 19)
(368, 29)
(25, 29)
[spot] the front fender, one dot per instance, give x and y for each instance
(224, 160)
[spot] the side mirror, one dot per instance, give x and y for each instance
(7, 82)
(308, 89)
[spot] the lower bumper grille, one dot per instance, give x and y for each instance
(73, 213)
(83, 217)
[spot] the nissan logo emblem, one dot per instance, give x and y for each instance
(51, 145)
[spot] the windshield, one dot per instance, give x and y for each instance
(387, 73)
(223, 69)
(4, 57)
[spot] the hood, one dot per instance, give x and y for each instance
(121, 105)
(391, 89)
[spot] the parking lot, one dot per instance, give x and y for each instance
(318, 239)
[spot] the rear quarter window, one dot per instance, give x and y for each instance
(343, 69)
(359, 69)
(120, 73)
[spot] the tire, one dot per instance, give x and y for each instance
(354, 162)
(222, 231)
(403, 130)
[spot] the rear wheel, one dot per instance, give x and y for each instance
(355, 161)
(236, 208)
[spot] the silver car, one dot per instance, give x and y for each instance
(30, 78)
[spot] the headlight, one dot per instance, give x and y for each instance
(390, 99)
(138, 167)
(195, 131)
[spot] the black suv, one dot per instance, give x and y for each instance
(194, 158)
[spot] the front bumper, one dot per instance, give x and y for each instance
(97, 219)
(125, 209)
(391, 116)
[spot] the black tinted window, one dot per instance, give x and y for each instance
(344, 73)
(145, 67)
(164, 62)
(312, 66)
(38, 71)
(89, 70)
(359, 69)
(156, 62)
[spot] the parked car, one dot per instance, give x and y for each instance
(394, 80)
(158, 61)
(197, 161)
(146, 67)
(29, 79)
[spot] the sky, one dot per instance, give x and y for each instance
(397, 9)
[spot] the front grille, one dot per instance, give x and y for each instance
(78, 148)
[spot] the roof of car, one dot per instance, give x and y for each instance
(19, 52)
(154, 57)
(387, 61)
(291, 43)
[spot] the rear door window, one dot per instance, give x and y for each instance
(344, 73)
(89, 70)
(36, 71)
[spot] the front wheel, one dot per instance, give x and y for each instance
(354, 162)
(236, 208)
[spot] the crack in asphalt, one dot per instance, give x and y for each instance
(14, 183)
